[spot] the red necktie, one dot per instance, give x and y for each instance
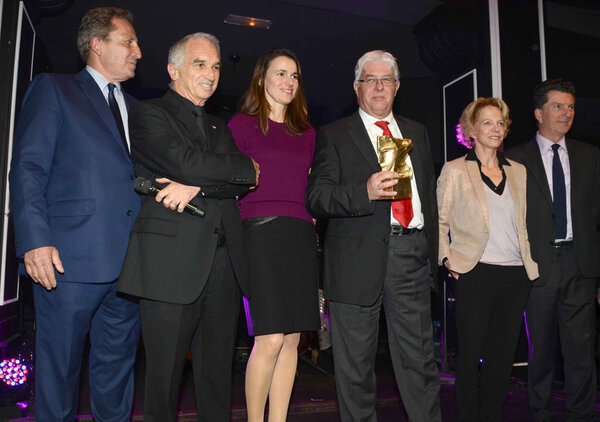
(402, 209)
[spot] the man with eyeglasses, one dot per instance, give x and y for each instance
(378, 252)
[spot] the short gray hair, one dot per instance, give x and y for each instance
(376, 56)
(177, 50)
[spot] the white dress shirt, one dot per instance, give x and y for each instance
(103, 84)
(418, 221)
(547, 153)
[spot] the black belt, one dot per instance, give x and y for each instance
(256, 221)
(563, 244)
(396, 230)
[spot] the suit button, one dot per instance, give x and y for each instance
(129, 212)
(131, 177)
(216, 230)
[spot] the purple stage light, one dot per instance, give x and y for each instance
(249, 323)
(462, 138)
(13, 373)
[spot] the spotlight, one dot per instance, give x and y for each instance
(15, 380)
(13, 373)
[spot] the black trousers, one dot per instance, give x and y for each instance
(207, 326)
(490, 301)
(562, 311)
(406, 299)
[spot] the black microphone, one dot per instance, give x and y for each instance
(145, 187)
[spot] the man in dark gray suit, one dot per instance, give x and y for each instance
(563, 221)
(377, 253)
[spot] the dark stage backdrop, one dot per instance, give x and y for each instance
(17, 51)
(456, 95)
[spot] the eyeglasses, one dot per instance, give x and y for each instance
(370, 82)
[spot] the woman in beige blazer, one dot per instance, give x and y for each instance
(484, 245)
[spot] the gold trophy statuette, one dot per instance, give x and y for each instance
(392, 153)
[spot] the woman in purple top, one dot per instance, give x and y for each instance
(272, 128)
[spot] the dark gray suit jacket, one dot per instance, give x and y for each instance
(584, 161)
(356, 245)
(170, 255)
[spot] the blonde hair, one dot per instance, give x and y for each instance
(470, 114)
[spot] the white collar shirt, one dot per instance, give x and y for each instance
(119, 97)
(547, 153)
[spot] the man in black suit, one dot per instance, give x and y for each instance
(184, 267)
(563, 221)
(377, 253)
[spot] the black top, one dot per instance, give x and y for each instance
(501, 162)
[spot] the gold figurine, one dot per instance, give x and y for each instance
(392, 153)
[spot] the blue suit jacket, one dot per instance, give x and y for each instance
(71, 179)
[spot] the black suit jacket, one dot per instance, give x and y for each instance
(356, 244)
(584, 161)
(170, 254)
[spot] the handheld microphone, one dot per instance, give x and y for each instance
(145, 187)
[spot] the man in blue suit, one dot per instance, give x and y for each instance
(72, 196)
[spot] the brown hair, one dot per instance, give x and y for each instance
(471, 112)
(254, 101)
(98, 23)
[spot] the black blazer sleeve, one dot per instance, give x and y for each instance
(159, 142)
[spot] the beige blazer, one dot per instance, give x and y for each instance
(464, 218)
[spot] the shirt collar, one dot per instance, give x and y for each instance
(545, 144)
(471, 156)
(370, 120)
(187, 104)
(100, 78)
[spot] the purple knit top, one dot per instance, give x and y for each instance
(284, 162)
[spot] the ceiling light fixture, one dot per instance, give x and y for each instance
(248, 21)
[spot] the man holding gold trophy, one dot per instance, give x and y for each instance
(372, 178)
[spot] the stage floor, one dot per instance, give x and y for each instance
(313, 398)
